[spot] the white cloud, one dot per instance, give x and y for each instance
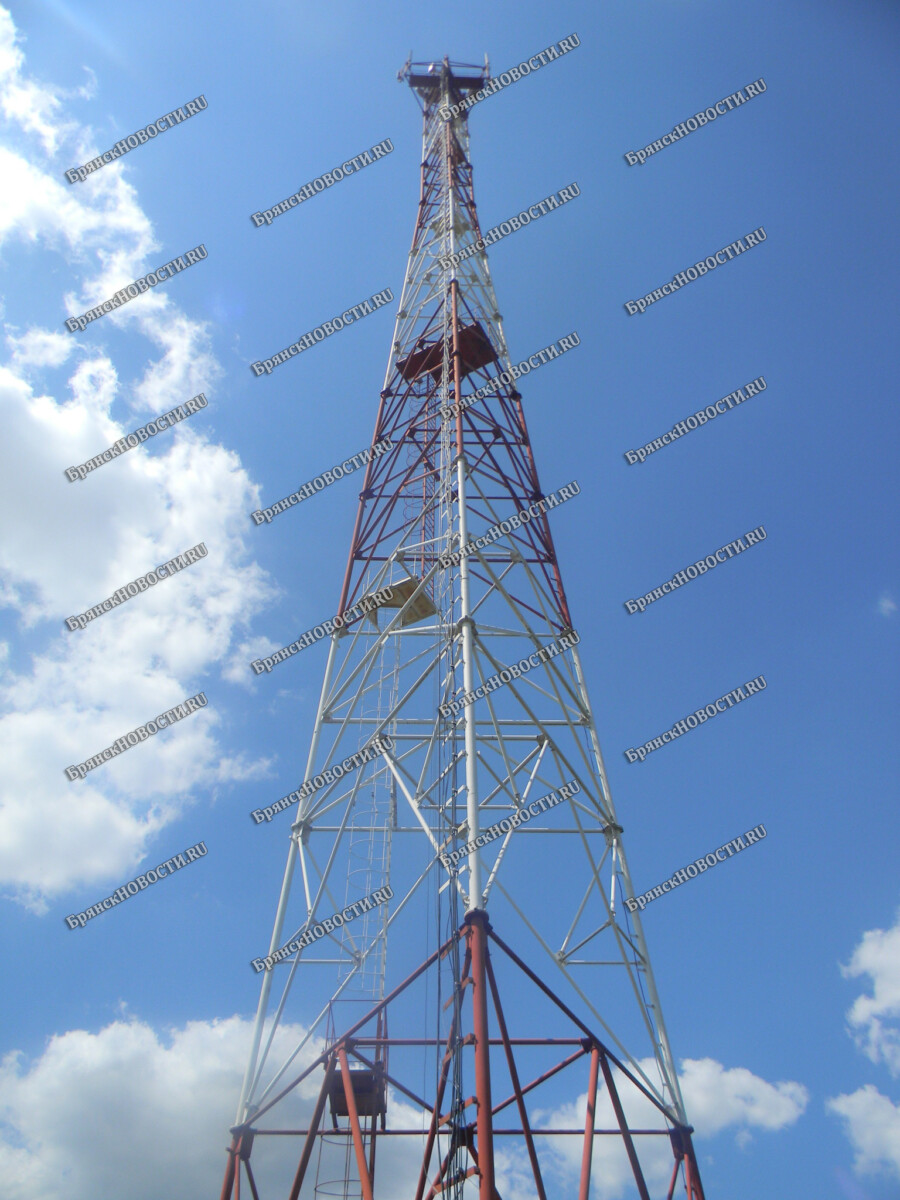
(131, 1115)
(873, 1019)
(716, 1098)
(719, 1098)
(871, 1120)
(513, 1172)
(73, 546)
(24, 102)
(886, 605)
(67, 696)
(128, 1114)
(872, 1124)
(237, 669)
(40, 347)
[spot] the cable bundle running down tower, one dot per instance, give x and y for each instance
(526, 1052)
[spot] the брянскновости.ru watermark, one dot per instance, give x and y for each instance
(163, 721)
(513, 225)
(134, 139)
(124, 892)
(699, 865)
(327, 925)
(326, 329)
(709, 263)
(366, 605)
(131, 440)
(554, 350)
(516, 671)
(450, 858)
(732, 400)
(335, 175)
(452, 558)
(133, 290)
(700, 567)
(633, 157)
(166, 571)
(325, 778)
(347, 467)
(692, 720)
(498, 82)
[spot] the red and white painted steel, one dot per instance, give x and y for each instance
(571, 955)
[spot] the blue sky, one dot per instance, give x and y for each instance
(782, 967)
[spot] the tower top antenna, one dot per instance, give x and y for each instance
(426, 78)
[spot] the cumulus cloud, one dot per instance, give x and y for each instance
(40, 347)
(135, 1115)
(130, 1114)
(871, 1120)
(872, 1125)
(873, 1019)
(66, 696)
(24, 103)
(718, 1099)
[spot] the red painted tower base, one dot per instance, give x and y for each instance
(356, 1076)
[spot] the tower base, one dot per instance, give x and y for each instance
(460, 1136)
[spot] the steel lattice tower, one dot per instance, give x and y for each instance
(497, 1030)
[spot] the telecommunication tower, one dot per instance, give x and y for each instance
(523, 1043)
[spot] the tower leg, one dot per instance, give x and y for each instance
(684, 1155)
(477, 939)
(251, 1180)
(514, 1076)
(313, 1130)
(587, 1154)
(230, 1170)
(692, 1175)
(439, 1099)
(362, 1167)
(671, 1192)
(623, 1126)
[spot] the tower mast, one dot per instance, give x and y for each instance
(479, 786)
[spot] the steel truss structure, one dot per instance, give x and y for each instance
(459, 467)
